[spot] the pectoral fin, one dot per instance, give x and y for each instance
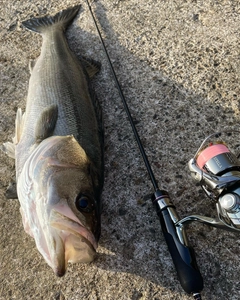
(46, 123)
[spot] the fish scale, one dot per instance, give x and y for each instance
(53, 74)
(58, 147)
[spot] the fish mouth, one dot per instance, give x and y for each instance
(76, 249)
(73, 242)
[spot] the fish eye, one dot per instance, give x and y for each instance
(83, 203)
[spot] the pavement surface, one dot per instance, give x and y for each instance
(178, 65)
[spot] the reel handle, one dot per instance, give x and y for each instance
(182, 255)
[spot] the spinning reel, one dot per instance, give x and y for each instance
(217, 169)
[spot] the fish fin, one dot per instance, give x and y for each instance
(46, 123)
(32, 63)
(61, 19)
(18, 126)
(9, 149)
(91, 66)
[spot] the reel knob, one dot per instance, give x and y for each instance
(230, 202)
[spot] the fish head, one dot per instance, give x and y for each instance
(60, 204)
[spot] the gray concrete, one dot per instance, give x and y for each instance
(178, 63)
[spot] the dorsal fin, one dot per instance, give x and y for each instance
(19, 122)
(8, 147)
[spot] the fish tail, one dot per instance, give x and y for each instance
(62, 19)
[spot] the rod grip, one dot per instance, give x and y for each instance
(183, 258)
(183, 255)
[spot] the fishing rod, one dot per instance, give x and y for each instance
(217, 169)
(183, 256)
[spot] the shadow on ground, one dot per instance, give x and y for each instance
(172, 120)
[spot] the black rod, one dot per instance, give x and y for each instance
(143, 153)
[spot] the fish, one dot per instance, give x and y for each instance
(58, 149)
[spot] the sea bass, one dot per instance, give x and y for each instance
(58, 149)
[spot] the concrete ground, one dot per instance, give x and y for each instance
(178, 64)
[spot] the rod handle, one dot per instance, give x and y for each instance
(182, 254)
(183, 258)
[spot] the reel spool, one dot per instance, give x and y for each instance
(217, 159)
(217, 169)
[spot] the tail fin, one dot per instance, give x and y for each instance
(61, 19)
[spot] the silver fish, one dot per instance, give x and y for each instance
(58, 148)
